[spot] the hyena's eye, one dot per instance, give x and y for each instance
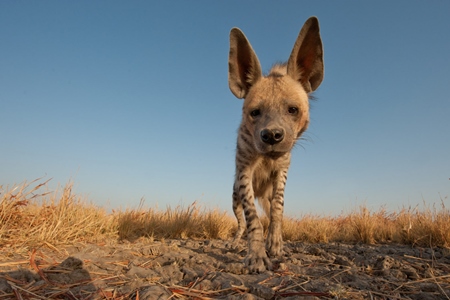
(293, 110)
(254, 113)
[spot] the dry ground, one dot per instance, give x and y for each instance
(59, 246)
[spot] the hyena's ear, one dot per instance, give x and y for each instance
(243, 65)
(306, 61)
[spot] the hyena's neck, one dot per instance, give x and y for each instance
(245, 145)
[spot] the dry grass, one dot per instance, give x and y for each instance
(179, 222)
(31, 217)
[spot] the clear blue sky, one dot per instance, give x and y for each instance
(130, 99)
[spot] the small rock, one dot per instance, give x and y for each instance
(410, 272)
(343, 261)
(191, 244)
(227, 280)
(189, 274)
(155, 292)
(282, 267)
(261, 291)
(316, 251)
(386, 263)
(428, 287)
(141, 272)
(170, 274)
(235, 268)
(72, 263)
(397, 274)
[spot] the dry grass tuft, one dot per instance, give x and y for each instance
(217, 225)
(31, 217)
(427, 227)
(368, 227)
(314, 229)
(179, 222)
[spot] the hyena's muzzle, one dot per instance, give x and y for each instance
(272, 141)
(276, 132)
(272, 136)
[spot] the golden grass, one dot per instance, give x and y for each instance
(180, 222)
(31, 217)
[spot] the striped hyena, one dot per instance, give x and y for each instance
(275, 114)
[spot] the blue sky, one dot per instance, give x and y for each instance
(130, 99)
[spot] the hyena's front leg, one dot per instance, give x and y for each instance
(274, 241)
(256, 260)
(239, 213)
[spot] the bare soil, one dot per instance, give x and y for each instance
(207, 269)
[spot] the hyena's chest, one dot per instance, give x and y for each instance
(265, 175)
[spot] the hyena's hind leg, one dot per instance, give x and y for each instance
(239, 213)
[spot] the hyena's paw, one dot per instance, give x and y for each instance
(274, 245)
(257, 260)
(235, 244)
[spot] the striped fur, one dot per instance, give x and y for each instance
(275, 114)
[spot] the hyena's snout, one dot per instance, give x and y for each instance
(272, 136)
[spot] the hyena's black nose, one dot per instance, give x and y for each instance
(272, 136)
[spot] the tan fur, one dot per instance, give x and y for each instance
(275, 114)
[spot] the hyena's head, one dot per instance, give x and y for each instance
(276, 107)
